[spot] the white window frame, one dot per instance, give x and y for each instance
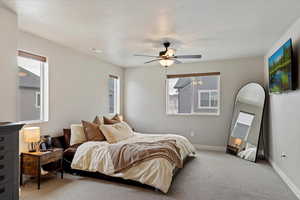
(44, 95)
(193, 113)
(209, 99)
(117, 95)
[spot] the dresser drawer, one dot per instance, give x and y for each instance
(5, 178)
(5, 192)
(6, 143)
(6, 161)
(5, 167)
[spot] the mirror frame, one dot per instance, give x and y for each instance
(260, 135)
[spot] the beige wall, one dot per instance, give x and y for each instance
(145, 99)
(284, 116)
(8, 69)
(77, 83)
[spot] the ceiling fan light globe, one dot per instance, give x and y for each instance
(166, 62)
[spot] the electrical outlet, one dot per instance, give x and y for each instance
(283, 155)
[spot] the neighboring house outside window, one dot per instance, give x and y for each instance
(193, 94)
(114, 94)
(32, 88)
(38, 100)
(208, 99)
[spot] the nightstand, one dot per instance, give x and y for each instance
(31, 163)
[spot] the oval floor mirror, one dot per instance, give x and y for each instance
(246, 122)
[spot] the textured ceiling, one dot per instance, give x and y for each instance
(120, 28)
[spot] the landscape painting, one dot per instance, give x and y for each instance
(280, 69)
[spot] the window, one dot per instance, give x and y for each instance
(242, 126)
(113, 91)
(32, 87)
(193, 94)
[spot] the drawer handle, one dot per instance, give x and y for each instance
(1, 166)
(1, 148)
(2, 178)
(2, 190)
(1, 157)
(2, 139)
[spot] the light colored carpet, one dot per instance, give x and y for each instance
(211, 176)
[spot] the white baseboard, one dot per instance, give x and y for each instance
(210, 148)
(286, 179)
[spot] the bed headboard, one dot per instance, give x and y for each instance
(67, 136)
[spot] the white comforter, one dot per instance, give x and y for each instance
(157, 172)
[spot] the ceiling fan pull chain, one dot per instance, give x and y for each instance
(165, 69)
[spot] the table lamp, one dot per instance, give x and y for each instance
(32, 135)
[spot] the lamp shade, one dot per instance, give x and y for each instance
(32, 134)
(237, 141)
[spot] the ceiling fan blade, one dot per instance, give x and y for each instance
(188, 56)
(177, 61)
(146, 56)
(153, 61)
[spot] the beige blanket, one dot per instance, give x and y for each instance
(125, 156)
(157, 172)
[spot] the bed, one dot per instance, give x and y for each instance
(94, 156)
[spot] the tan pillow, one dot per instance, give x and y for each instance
(92, 131)
(98, 121)
(117, 117)
(116, 132)
(77, 134)
(110, 121)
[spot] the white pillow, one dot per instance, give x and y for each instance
(77, 134)
(116, 132)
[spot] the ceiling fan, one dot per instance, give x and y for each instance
(167, 58)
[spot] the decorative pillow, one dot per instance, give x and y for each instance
(98, 121)
(116, 132)
(92, 131)
(77, 134)
(110, 121)
(118, 117)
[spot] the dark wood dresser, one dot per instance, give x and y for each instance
(9, 161)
